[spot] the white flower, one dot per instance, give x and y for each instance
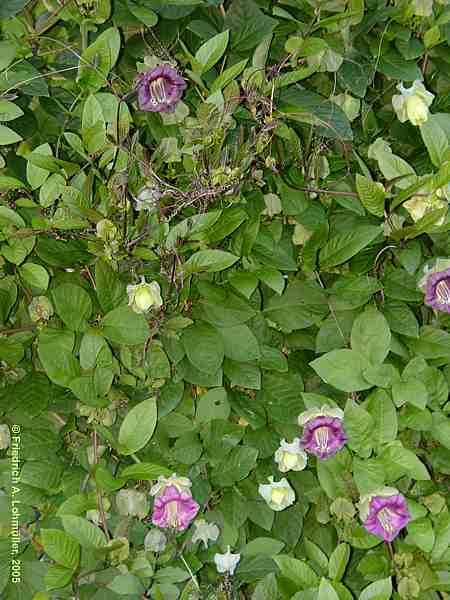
(423, 8)
(291, 456)
(301, 235)
(204, 532)
(182, 484)
(132, 503)
(324, 411)
(278, 494)
(412, 103)
(227, 563)
(5, 437)
(155, 540)
(143, 296)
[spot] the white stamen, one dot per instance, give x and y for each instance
(158, 91)
(321, 436)
(443, 292)
(385, 518)
(172, 514)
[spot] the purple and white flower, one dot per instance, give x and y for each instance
(437, 291)
(323, 431)
(160, 89)
(384, 513)
(174, 509)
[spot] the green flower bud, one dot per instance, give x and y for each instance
(106, 230)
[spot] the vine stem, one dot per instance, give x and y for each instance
(101, 508)
(222, 10)
(390, 550)
(17, 330)
(191, 574)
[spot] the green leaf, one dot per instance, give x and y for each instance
(213, 405)
(35, 277)
(358, 425)
(235, 467)
(138, 426)
(204, 347)
(306, 106)
(266, 588)
(399, 461)
(210, 52)
(342, 369)
(380, 406)
(228, 75)
(371, 336)
(61, 547)
(338, 562)
(98, 60)
(87, 534)
(394, 65)
(123, 326)
(209, 261)
(12, 7)
(8, 136)
(240, 343)
(435, 139)
(144, 471)
(143, 14)
(326, 591)
(342, 246)
(73, 304)
(9, 111)
(262, 545)
(55, 352)
(371, 194)
(411, 390)
(110, 289)
(248, 25)
(301, 305)
(379, 590)
(35, 175)
(421, 534)
(297, 571)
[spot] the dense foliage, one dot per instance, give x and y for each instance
(224, 299)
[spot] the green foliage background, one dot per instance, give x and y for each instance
(289, 279)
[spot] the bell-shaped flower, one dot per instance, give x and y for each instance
(323, 431)
(384, 513)
(227, 563)
(437, 292)
(278, 494)
(290, 457)
(174, 509)
(205, 532)
(160, 89)
(144, 296)
(412, 103)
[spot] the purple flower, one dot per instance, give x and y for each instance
(160, 89)
(437, 293)
(174, 509)
(387, 516)
(323, 436)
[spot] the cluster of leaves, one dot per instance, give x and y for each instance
(288, 268)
